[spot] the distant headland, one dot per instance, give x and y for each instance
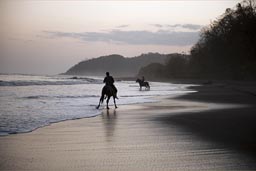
(118, 65)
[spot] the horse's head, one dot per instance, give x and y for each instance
(138, 80)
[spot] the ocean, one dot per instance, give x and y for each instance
(28, 102)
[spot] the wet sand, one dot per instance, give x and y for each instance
(208, 130)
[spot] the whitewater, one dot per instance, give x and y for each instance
(28, 102)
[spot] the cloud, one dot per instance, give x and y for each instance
(157, 25)
(137, 37)
(192, 27)
(20, 40)
(123, 26)
(187, 26)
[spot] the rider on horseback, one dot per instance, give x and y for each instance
(109, 81)
(109, 90)
(143, 79)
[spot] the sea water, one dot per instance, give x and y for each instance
(28, 102)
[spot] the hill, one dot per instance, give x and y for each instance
(225, 51)
(117, 65)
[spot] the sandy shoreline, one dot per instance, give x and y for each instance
(208, 130)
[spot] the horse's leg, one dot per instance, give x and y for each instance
(100, 101)
(114, 101)
(108, 101)
(147, 86)
(98, 104)
(102, 96)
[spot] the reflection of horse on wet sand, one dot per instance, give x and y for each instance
(143, 84)
(107, 92)
(109, 120)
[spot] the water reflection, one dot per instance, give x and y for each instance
(109, 119)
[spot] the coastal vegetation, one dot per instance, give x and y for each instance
(226, 50)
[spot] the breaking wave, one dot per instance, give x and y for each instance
(57, 82)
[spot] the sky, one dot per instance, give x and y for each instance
(48, 37)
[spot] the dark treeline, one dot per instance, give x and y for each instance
(226, 50)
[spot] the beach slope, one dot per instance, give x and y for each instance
(182, 133)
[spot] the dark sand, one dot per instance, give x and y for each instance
(208, 130)
(232, 127)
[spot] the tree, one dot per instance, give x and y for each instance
(226, 48)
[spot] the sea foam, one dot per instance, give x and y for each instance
(31, 102)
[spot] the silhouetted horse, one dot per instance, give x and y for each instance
(107, 91)
(143, 84)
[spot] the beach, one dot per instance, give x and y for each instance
(211, 129)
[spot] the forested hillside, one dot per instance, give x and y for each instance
(117, 65)
(226, 50)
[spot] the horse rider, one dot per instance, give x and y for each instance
(109, 81)
(143, 79)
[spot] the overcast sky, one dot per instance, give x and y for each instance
(48, 37)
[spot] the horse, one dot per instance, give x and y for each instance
(143, 84)
(107, 91)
